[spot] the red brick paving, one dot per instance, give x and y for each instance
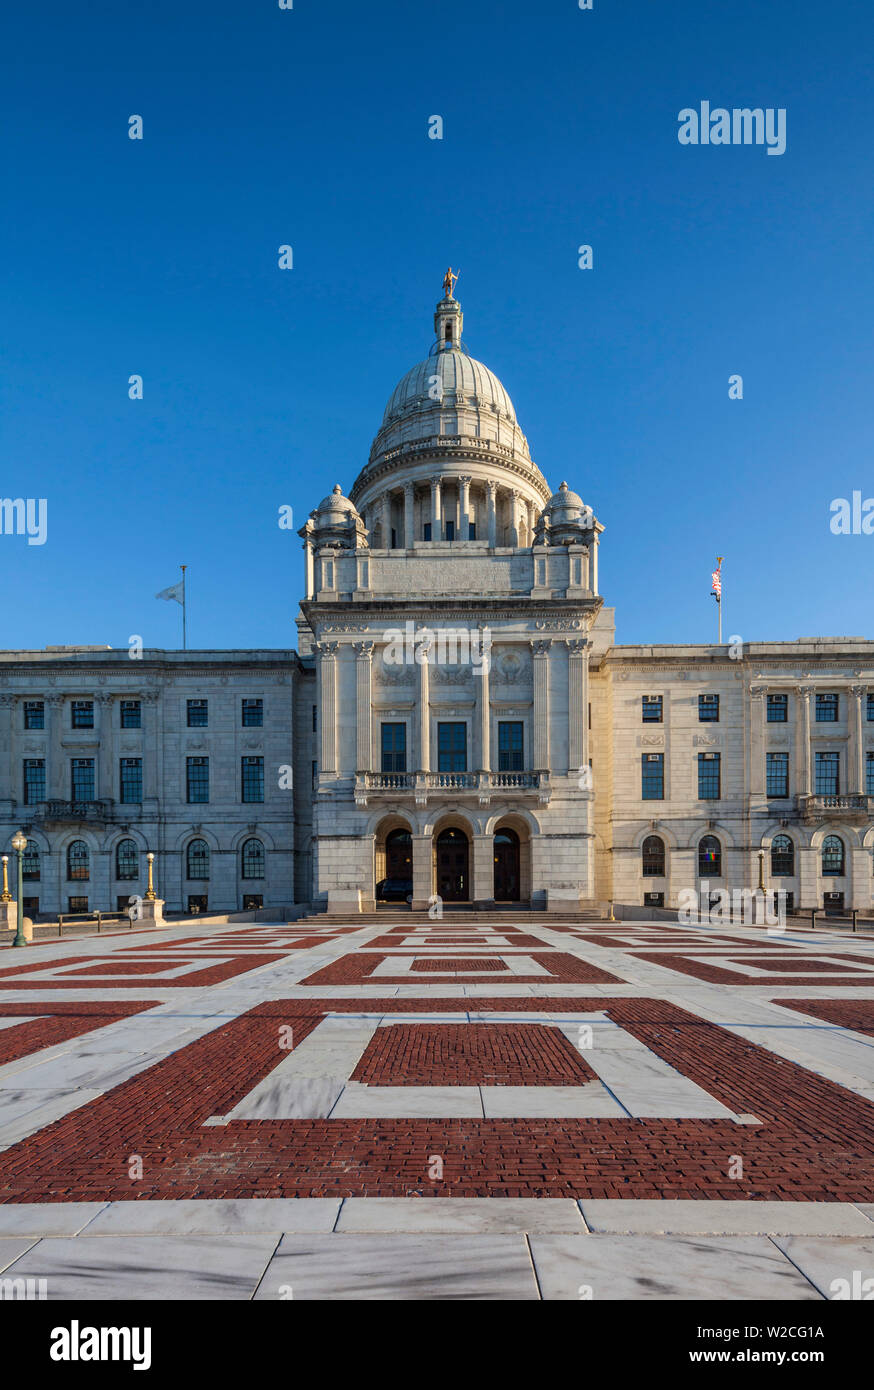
(209, 975)
(448, 964)
(816, 1142)
(358, 968)
(57, 1023)
(471, 1054)
(703, 970)
(857, 1014)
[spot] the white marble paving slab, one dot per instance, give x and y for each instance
(148, 1267)
(671, 1268)
(211, 1217)
(448, 1215)
(842, 1270)
(420, 1267)
(686, 1217)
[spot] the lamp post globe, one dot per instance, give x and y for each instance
(19, 844)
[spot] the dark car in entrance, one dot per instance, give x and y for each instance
(394, 890)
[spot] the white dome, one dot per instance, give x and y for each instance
(452, 379)
(332, 509)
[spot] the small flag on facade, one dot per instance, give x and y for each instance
(716, 580)
(177, 592)
(174, 591)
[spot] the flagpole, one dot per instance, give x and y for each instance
(719, 559)
(184, 625)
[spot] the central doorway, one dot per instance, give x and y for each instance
(506, 887)
(453, 874)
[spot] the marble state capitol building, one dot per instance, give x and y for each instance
(457, 719)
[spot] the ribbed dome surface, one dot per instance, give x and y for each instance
(455, 377)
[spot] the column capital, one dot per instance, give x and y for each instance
(492, 487)
(757, 691)
(409, 488)
(436, 480)
(541, 646)
(576, 645)
(465, 479)
(363, 650)
(326, 649)
(858, 691)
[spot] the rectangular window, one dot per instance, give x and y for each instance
(471, 530)
(652, 776)
(452, 748)
(511, 747)
(82, 714)
(708, 709)
(450, 530)
(869, 774)
(426, 531)
(82, 779)
(34, 714)
(777, 774)
(198, 714)
(34, 781)
(653, 899)
(651, 707)
(394, 747)
(197, 779)
(827, 774)
(131, 714)
(709, 776)
(826, 709)
(253, 714)
(870, 707)
(77, 904)
(315, 718)
(778, 706)
(130, 782)
(252, 779)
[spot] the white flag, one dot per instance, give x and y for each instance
(174, 591)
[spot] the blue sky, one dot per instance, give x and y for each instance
(264, 388)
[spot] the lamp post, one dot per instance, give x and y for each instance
(5, 896)
(150, 891)
(19, 844)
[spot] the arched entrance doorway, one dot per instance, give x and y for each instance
(393, 862)
(453, 866)
(507, 859)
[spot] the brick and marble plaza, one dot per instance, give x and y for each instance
(479, 1106)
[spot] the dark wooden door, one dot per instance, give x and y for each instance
(506, 886)
(453, 882)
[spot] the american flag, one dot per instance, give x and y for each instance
(716, 581)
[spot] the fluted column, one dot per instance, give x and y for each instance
(106, 781)
(152, 743)
(492, 489)
(326, 680)
(577, 704)
(514, 518)
(363, 675)
(385, 508)
(464, 496)
(540, 650)
(857, 759)
(481, 680)
(436, 510)
(802, 751)
(757, 741)
(532, 517)
(56, 778)
(409, 516)
(308, 558)
(422, 655)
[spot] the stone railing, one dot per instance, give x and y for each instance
(422, 785)
(848, 807)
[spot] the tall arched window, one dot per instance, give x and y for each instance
(253, 859)
(782, 857)
(653, 857)
(833, 856)
(197, 859)
(30, 861)
(127, 859)
(77, 860)
(709, 857)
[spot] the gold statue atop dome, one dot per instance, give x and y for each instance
(449, 280)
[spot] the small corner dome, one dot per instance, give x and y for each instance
(332, 509)
(565, 505)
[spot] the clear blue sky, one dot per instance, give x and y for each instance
(265, 387)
